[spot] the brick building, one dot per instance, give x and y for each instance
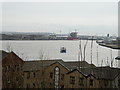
(12, 73)
(60, 74)
(17, 73)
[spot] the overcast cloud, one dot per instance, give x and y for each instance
(89, 18)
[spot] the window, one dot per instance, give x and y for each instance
(72, 80)
(34, 74)
(91, 82)
(28, 85)
(62, 76)
(28, 75)
(17, 79)
(8, 80)
(33, 85)
(7, 68)
(105, 83)
(81, 81)
(42, 84)
(51, 74)
(118, 82)
(22, 75)
(16, 67)
(57, 73)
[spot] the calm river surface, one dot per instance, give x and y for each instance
(31, 50)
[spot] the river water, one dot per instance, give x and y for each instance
(33, 50)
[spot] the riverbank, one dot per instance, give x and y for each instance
(111, 46)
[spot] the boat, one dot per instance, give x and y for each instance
(110, 42)
(73, 36)
(62, 50)
(117, 58)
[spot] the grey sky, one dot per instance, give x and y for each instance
(88, 18)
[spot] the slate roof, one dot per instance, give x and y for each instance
(75, 64)
(2, 54)
(102, 72)
(38, 64)
(89, 69)
(74, 71)
(106, 72)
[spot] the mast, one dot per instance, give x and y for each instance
(91, 55)
(91, 48)
(97, 55)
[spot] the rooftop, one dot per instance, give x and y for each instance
(3, 54)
